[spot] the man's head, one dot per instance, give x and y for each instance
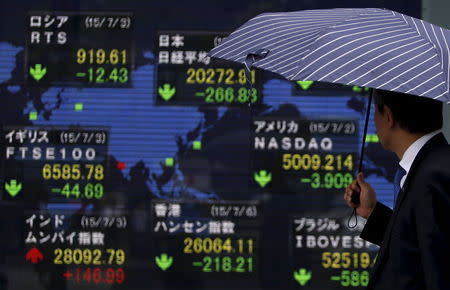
(397, 114)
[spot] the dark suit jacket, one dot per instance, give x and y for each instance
(415, 236)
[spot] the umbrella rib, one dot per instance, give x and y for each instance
(433, 88)
(302, 13)
(350, 29)
(384, 63)
(377, 20)
(336, 39)
(258, 24)
(448, 61)
(359, 55)
(262, 66)
(306, 13)
(214, 53)
(239, 38)
(283, 55)
(434, 45)
(440, 47)
(284, 62)
(411, 68)
(426, 32)
(413, 20)
(288, 48)
(312, 27)
(293, 19)
(296, 39)
(441, 95)
(237, 57)
(400, 64)
(286, 65)
(384, 53)
(430, 68)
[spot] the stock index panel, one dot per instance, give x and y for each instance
(94, 47)
(131, 160)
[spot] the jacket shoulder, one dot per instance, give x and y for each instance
(437, 160)
(433, 171)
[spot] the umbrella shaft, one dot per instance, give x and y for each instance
(363, 146)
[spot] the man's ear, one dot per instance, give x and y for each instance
(389, 117)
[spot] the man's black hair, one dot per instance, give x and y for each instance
(414, 114)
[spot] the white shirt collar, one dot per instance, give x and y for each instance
(412, 151)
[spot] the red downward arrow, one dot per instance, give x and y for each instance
(34, 255)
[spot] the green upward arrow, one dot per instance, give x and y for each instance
(38, 72)
(164, 261)
(13, 188)
(166, 92)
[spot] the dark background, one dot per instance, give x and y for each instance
(151, 16)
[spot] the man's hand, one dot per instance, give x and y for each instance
(367, 198)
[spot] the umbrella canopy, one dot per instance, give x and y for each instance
(371, 47)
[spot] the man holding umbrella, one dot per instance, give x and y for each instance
(400, 58)
(415, 236)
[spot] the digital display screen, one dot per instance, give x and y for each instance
(186, 76)
(96, 48)
(326, 254)
(70, 162)
(131, 160)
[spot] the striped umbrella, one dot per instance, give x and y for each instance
(371, 47)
